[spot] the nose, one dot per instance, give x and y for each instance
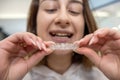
(62, 19)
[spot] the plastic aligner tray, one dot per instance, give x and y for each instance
(63, 46)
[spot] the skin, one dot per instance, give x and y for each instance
(60, 15)
(60, 19)
(106, 41)
(13, 56)
(14, 48)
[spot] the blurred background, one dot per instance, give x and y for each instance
(13, 15)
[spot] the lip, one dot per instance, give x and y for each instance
(58, 39)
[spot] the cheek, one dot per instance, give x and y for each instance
(43, 22)
(79, 25)
(40, 26)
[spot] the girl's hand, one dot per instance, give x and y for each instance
(107, 43)
(14, 63)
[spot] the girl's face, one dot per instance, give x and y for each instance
(60, 21)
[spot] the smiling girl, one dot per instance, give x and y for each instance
(51, 22)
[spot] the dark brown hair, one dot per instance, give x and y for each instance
(90, 26)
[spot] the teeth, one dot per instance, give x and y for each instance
(61, 34)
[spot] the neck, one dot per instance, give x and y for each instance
(59, 63)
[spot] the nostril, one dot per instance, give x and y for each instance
(58, 22)
(67, 22)
(62, 20)
(63, 23)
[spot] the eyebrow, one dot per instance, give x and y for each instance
(74, 1)
(47, 0)
(77, 1)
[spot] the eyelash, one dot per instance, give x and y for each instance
(51, 10)
(74, 12)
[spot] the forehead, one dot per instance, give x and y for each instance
(81, 1)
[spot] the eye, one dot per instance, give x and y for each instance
(50, 10)
(74, 12)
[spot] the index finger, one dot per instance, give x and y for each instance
(107, 33)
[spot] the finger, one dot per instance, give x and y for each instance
(25, 37)
(90, 54)
(107, 33)
(48, 44)
(33, 42)
(18, 41)
(102, 35)
(93, 40)
(84, 41)
(35, 59)
(41, 44)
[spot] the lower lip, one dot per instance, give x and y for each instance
(61, 39)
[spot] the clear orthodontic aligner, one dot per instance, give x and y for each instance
(63, 46)
(70, 46)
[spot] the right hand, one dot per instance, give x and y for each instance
(107, 42)
(13, 65)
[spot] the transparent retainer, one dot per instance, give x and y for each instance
(64, 46)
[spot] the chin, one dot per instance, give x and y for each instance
(62, 52)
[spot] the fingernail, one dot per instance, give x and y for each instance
(43, 46)
(33, 42)
(76, 50)
(92, 41)
(38, 44)
(82, 40)
(49, 51)
(52, 43)
(79, 43)
(76, 42)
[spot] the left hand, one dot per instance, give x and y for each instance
(107, 42)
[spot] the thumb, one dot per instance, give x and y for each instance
(90, 54)
(39, 55)
(35, 59)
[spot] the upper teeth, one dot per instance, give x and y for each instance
(61, 34)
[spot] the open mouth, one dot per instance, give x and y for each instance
(61, 34)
